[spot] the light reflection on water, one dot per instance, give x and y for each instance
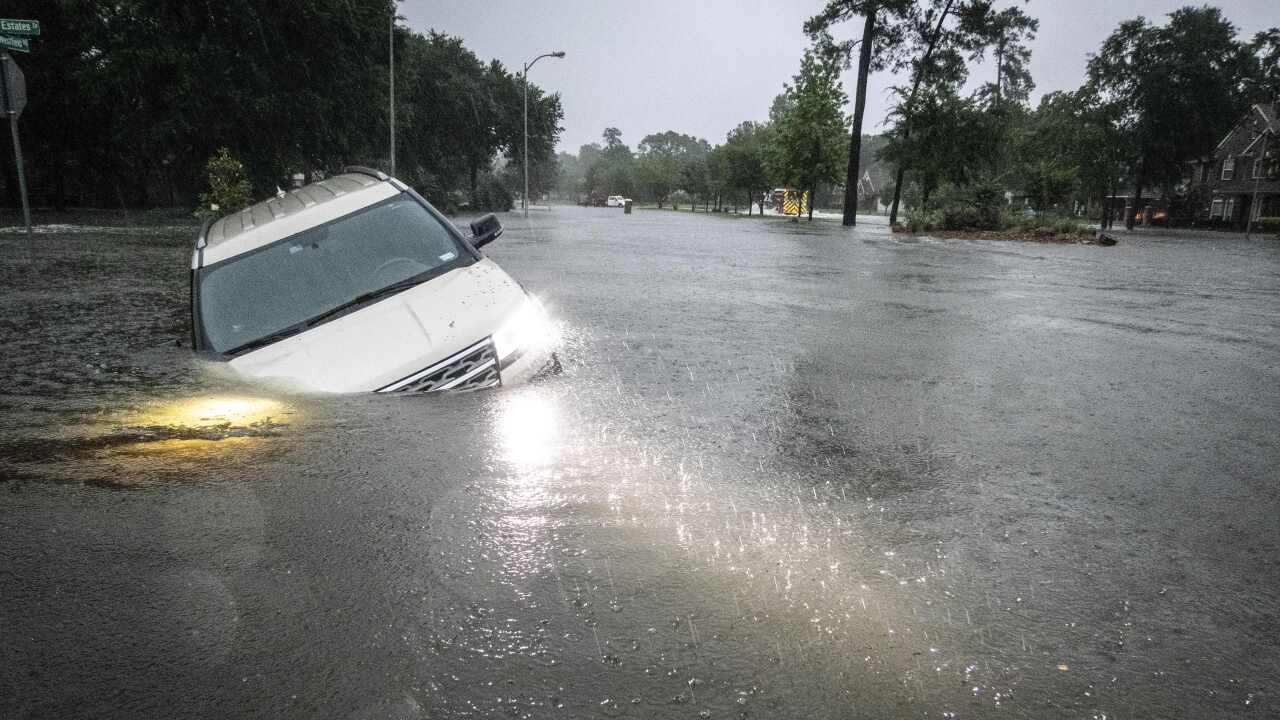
(210, 411)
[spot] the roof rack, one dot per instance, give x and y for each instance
(203, 238)
(361, 169)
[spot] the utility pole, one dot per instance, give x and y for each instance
(524, 200)
(391, 48)
(13, 98)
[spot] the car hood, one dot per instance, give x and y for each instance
(394, 337)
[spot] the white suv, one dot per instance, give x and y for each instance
(615, 201)
(356, 283)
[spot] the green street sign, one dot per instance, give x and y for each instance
(15, 43)
(9, 26)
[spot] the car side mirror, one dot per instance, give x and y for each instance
(485, 230)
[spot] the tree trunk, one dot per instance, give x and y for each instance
(999, 73)
(852, 175)
(473, 181)
(915, 87)
(748, 203)
(1137, 197)
(897, 195)
(813, 196)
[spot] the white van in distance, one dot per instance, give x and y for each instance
(356, 283)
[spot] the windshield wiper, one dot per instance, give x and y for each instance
(299, 327)
(391, 289)
(265, 340)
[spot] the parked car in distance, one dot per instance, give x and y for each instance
(615, 201)
(356, 283)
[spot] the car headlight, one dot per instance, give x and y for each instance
(527, 329)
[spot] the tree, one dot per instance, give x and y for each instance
(659, 163)
(807, 143)
(939, 37)
(1175, 90)
(612, 172)
(1012, 30)
(135, 96)
(955, 140)
(1069, 139)
(1264, 80)
(744, 152)
(882, 36)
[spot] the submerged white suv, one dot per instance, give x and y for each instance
(355, 283)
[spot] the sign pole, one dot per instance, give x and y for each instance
(17, 145)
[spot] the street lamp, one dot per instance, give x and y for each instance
(524, 201)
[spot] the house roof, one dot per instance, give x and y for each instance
(1270, 119)
(1270, 116)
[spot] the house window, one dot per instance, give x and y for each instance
(1229, 168)
(1229, 209)
(1215, 211)
(1257, 168)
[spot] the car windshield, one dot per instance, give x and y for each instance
(283, 287)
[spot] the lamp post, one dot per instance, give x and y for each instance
(391, 75)
(524, 201)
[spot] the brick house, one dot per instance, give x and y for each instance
(1244, 165)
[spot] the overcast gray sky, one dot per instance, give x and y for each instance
(703, 66)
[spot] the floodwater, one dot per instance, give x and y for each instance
(789, 471)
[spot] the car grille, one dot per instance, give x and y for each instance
(472, 369)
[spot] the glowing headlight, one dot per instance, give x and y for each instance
(527, 329)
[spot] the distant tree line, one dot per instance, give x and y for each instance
(800, 146)
(128, 101)
(1156, 98)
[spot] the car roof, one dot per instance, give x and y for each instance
(291, 212)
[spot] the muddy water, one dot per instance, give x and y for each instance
(787, 472)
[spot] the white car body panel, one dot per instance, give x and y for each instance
(394, 337)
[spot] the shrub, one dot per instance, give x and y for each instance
(919, 221)
(491, 195)
(1268, 225)
(229, 189)
(679, 198)
(979, 206)
(1070, 226)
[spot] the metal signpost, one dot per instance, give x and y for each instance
(14, 35)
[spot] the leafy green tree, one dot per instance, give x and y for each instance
(1176, 90)
(135, 95)
(613, 171)
(938, 40)
(883, 33)
(1070, 138)
(659, 162)
(955, 140)
(229, 190)
(1012, 30)
(807, 145)
(1264, 80)
(744, 154)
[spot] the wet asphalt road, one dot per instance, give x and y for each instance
(788, 472)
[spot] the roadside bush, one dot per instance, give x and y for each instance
(1070, 226)
(491, 195)
(679, 198)
(919, 221)
(229, 189)
(979, 206)
(430, 187)
(1270, 225)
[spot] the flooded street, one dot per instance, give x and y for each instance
(789, 471)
